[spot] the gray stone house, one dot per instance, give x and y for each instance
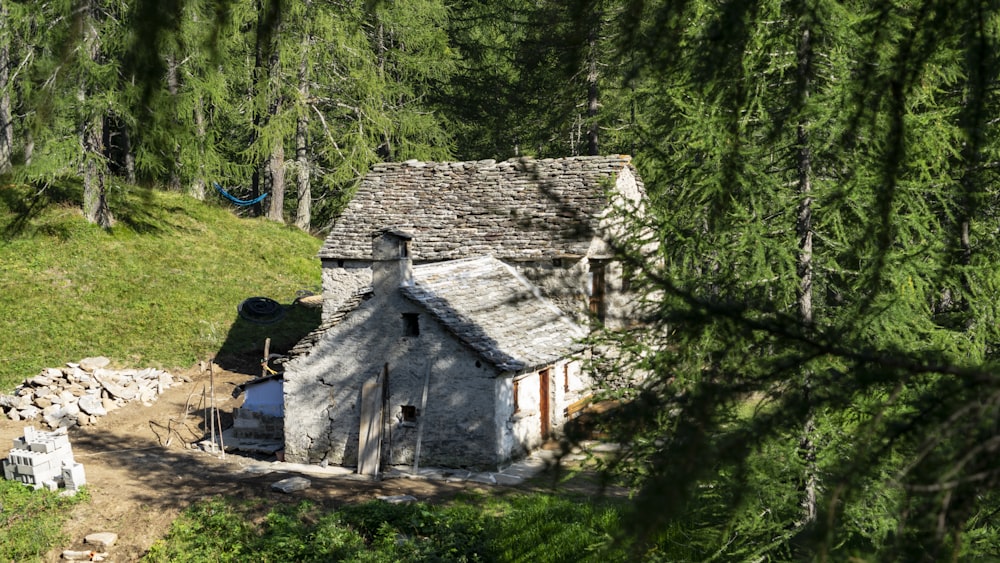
(455, 299)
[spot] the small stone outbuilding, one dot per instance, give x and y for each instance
(459, 363)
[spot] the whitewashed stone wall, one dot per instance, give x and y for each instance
(521, 430)
(341, 280)
(322, 392)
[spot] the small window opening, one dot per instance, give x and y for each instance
(566, 378)
(340, 263)
(409, 413)
(404, 249)
(411, 324)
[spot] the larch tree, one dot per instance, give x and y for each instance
(540, 78)
(820, 175)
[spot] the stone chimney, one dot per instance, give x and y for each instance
(391, 263)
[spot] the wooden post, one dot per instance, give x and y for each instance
(267, 352)
(370, 431)
(222, 444)
(211, 398)
(386, 425)
(204, 405)
(423, 413)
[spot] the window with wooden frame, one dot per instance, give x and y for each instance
(597, 289)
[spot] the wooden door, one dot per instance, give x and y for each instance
(544, 387)
(370, 436)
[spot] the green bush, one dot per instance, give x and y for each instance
(532, 527)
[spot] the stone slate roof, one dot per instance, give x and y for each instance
(495, 311)
(519, 209)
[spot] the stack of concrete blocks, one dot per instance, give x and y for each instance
(44, 459)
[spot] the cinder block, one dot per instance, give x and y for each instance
(38, 458)
(42, 447)
(73, 476)
(29, 470)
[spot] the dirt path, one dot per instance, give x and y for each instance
(141, 473)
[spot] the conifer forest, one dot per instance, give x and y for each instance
(818, 259)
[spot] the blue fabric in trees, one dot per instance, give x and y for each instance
(236, 200)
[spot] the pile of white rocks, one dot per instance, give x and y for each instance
(80, 393)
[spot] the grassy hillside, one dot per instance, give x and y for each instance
(160, 289)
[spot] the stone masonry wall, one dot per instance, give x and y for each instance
(341, 280)
(322, 392)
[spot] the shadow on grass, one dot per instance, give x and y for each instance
(243, 349)
(25, 204)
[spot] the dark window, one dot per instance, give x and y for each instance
(409, 413)
(411, 324)
(404, 249)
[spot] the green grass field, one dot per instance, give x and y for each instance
(160, 289)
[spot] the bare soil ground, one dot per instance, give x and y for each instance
(142, 472)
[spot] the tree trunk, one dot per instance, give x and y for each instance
(303, 211)
(197, 189)
(29, 147)
(6, 125)
(129, 155)
(173, 87)
(276, 172)
(276, 160)
(593, 149)
(258, 82)
(95, 203)
(804, 230)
